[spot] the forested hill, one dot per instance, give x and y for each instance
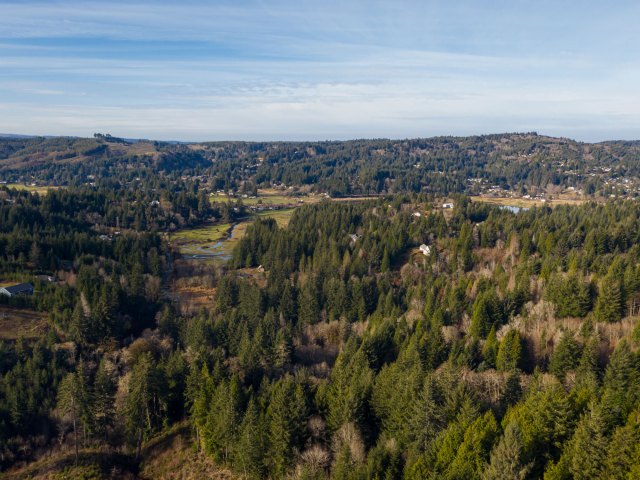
(526, 163)
(332, 349)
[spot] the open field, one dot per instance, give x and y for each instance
(527, 202)
(281, 217)
(259, 200)
(18, 322)
(207, 241)
(268, 197)
(209, 233)
(216, 242)
(39, 189)
(355, 199)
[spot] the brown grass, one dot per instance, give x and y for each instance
(193, 299)
(18, 322)
(173, 456)
(527, 202)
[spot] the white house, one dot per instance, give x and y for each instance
(417, 214)
(425, 249)
(447, 205)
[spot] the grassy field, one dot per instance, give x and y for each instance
(216, 242)
(282, 217)
(259, 200)
(268, 197)
(201, 241)
(40, 190)
(526, 202)
(16, 323)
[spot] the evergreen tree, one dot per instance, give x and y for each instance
(69, 400)
(609, 305)
(473, 452)
(510, 352)
(490, 349)
(588, 447)
(104, 390)
(506, 458)
(249, 454)
(565, 357)
(621, 385)
(349, 389)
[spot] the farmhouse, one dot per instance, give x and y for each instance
(425, 249)
(16, 290)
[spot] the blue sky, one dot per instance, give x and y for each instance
(295, 70)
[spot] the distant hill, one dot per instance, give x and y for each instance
(526, 162)
(15, 135)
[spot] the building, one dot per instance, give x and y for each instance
(447, 205)
(425, 249)
(46, 278)
(17, 290)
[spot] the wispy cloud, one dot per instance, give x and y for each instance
(284, 69)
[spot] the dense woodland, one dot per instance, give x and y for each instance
(508, 352)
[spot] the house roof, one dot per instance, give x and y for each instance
(19, 288)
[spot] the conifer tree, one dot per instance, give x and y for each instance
(609, 306)
(510, 352)
(621, 385)
(69, 399)
(249, 454)
(104, 390)
(588, 447)
(565, 357)
(490, 349)
(506, 458)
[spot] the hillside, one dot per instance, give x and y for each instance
(522, 163)
(177, 329)
(169, 456)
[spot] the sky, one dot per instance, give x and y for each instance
(318, 70)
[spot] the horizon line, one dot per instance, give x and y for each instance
(326, 140)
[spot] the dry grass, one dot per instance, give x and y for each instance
(281, 217)
(18, 322)
(268, 197)
(39, 189)
(193, 299)
(527, 202)
(93, 464)
(169, 456)
(173, 456)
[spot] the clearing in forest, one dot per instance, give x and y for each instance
(20, 322)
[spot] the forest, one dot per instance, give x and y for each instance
(329, 348)
(526, 163)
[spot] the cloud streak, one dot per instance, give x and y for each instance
(284, 70)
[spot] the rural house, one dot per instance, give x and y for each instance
(16, 290)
